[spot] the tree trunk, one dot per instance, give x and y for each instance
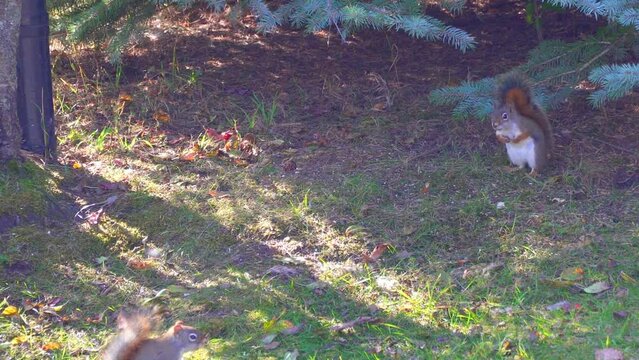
(10, 134)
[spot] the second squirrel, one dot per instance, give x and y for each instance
(133, 341)
(521, 125)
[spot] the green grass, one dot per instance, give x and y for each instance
(217, 248)
(464, 278)
(23, 189)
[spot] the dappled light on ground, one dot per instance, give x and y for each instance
(340, 215)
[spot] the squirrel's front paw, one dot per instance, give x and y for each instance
(503, 139)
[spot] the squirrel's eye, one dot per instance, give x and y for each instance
(504, 116)
(193, 337)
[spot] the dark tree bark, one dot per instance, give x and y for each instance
(10, 134)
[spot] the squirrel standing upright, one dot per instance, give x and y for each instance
(133, 341)
(521, 124)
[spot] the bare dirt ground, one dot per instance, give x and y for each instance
(323, 86)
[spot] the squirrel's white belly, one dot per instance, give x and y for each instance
(522, 153)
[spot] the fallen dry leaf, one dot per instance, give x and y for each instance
(241, 162)
(138, 264)
(608, 354)
(228, 134)
(355, 230)
(250, 138)
(95, 319)
(10, 311)
(292, 355)
(379, 250)
(621, 292)
(268, 338)
(52, 310)
(620, 315)
(506, 346)
(627, 278)
(189, 156)
(380, 106)
(212, 153)
(409, 229)
(562, 305)
(125, 96)
(282, 324)
(176, 140)
(269, 326)
(232, 144)
(292, 330)
(282, 270)
(289, 165)
(214, 134)
(484, 270)
(351, 324)
(572, 274)
(318, 140)
(161, 116)
(51, 346)
(272, 345)
(597, 287)
(19, 340)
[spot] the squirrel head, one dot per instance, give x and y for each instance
(507, 111)
(188, 337)
(503, 117)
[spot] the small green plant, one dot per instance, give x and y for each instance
(127, 144)
(193, 78)
(251, 119)
(301, 207)
(266, 112)
(74, 136)
(205, 143)
(60, 105)
(100, 138)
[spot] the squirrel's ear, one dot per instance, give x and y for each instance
(179, 325)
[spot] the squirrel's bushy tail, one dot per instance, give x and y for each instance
(133, 327)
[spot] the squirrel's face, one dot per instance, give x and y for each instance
(501, 118)
(190, 338)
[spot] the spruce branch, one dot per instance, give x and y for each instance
(616, 81)
(578, 70)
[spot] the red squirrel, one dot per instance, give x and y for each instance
(133, 341)
(522, 125)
